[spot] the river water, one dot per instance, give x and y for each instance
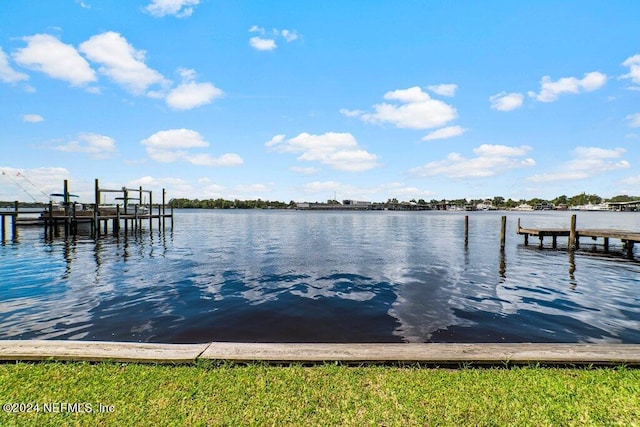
(304, 276)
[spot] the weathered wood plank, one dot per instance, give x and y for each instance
(432, 353)
(546, 231)
(96, 351)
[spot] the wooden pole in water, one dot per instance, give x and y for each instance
(572, 233)
(150, 211)
(66, 207)
(503, 232)
(164, 192)
(629, 246)
(116, 222)
(3, 228)
(466, 231)
(96, 208)
(14, 221)
(50, 219)
(73, 224)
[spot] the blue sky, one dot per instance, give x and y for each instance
(290, 100)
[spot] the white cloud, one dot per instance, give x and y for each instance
(303, 170)
(633, 62)
(190, 94)
(32, 118)
(444, 133)
(490, 160)
(550, 90)
(47, 54)
(414, 109)
(259, 43)
(351, 113)
(634, 120)
(268, 39)
(323, 190)
(97, 146)
(444, 89)
(251, 191)
(41, 182)
(178, 8)
(632, 180)
(174, 144)
(586, 162)
(121, 62)
(8, 74)
(289, 35)
(338, 150)
(504, 101)
(225, 160)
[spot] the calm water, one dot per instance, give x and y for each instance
(287, 276)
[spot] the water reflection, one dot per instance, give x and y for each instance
(302, 276)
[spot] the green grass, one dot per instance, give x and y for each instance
(256, 394)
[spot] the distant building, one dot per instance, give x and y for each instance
(346, 205)
(356, 203)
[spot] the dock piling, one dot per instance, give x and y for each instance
(466, 230)
(573, 238)
(116, 221)
(14, 221)
(503, 232)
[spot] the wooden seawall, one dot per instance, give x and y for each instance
(434, 354)
(628, 238)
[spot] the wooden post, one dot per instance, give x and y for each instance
(164, 192)
(14, 222)
(629, 245)
(526, 239)
(573, 243)
(135, 219)
(172, 217)
(150, 211)
(73, 224)
(606, 244)
(503, 232)
(116, 222)
(95, 227)
(66, 207)
(554, 241)
(96, 208)
(159, 217)
(4, 232)
(51, 231)
(466, 230)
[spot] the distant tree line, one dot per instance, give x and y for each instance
(498, 202)
(228, 204)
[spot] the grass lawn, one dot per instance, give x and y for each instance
(256, 394)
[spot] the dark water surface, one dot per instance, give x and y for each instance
(288, 276)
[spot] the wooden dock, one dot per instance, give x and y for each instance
(628, 238)
(95, 217)
(432, 354)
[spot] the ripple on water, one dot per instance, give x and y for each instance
(319, 277)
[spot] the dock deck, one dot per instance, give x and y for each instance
(627, 237)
